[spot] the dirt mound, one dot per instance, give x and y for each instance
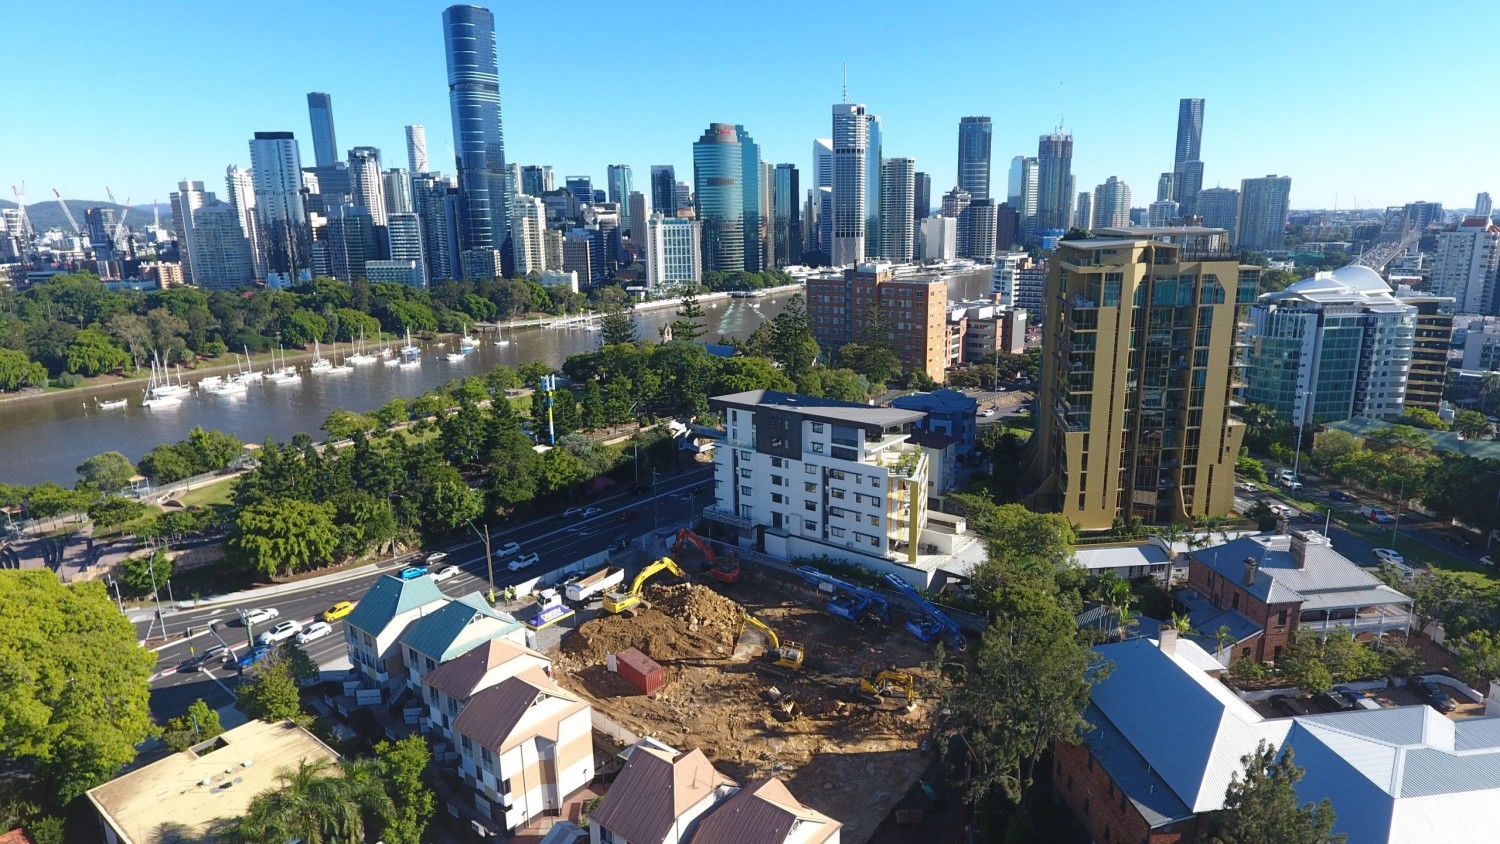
(657, 635)
(703, 610)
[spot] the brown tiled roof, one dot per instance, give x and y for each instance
(457, 677)
(491, 716)
(653, 790)
(16, 836)
(763, 813)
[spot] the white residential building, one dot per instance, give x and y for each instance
(897, 207)
(222, 258)
(1112, 204)
(1465, 263)
(450, 685)
(674, 254)
(939, 238)
(528, 227)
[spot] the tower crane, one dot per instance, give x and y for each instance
(68, 213)
(119, 231)
(20, 194)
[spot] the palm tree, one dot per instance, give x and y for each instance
(316, 803)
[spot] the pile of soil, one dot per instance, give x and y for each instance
(703, 610)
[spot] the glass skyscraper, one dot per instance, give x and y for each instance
(320, 115)
(974, 156)
(478, 131)
(727, 192)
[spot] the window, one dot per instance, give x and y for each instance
(810, 506)
(835, 492)
(746, 473)
(487, 758)
(432, 694)
(468, 745)
(746, 491)
(817, 427)
(453, 706)
(836, 474)
(746, 455)
(777, 462)
(817, 448)
(808, 524)
(778, 480)
(837, 533)
(875, 500)
(777, 498)
(809, 468)
(430, 664)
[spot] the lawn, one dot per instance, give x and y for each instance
(1420, 554)
(207, 495)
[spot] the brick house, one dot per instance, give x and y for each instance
(1266, 588)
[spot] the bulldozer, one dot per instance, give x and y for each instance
(620, 601)
(874, 686)
(780, 658)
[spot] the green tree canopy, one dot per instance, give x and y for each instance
(115, 511)
(107, 472)
(688, 326)
(18, 371)
(617, 326)
(283, 535)
(199, 724)
(1472, 425)
(93, 352)
(145, 573)
(269, 691)
(402, 767)
(1261, 805)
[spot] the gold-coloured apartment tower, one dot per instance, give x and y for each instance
(1140, 369)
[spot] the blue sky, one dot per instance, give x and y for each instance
(1383, 101)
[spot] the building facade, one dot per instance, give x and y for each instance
(223, 259)
(1429, 350)
(1261, 222)
(727, 199)
(974, 134)
(1465, 264)
(786, 224)
(840, 305)
(897, 208)
(851, 140)
(1112, 204)
(1219, 208)
(528, 227)
(1140, 339)
(478, 132)
(416, 148)
(281, 214)
(404, 243)
(1054, 192)
(320, 115)
(674, 255)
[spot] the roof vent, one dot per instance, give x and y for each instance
(247, 763)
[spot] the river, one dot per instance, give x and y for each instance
(44, 439)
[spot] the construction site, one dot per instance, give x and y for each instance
(780, 694)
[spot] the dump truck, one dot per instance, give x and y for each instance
(582, 590)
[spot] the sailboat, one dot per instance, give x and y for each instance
(283, 374)
(361, 356)
(320, 364)
(467, 343)
(340, 369)
(246, 375)
(503, 341)
(162, 387)
(110, 404)
(454, 357)
(410, 349)
(155, 397)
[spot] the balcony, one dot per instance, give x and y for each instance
(903, 461)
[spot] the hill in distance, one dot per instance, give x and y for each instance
(47, 215)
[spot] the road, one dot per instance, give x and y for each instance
(557, 541)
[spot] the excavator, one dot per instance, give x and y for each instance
(619, 601)
(781, 658)
(874, 686)
(726, 570)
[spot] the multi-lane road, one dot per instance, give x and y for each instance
(558, 541)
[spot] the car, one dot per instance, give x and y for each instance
(571, 512)
(1487, 560)
(1311, 517)
(508, 549)
(590, 512)
(1245, 486)
(444, 573)
(1436, 696)
(435, 557)
(1290, 483)
(1390, 555)
(628, 516)
(1339, 495)
(259, 616)
(259, 653)
(314, 631)
(987, 412)
(280, 633)
(413, 572)
(203, 657)
(524, 561)
(338, 611)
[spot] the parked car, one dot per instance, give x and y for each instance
(255, 655)
(1339, 495)
(1376, 514)
(1436, 696)
(1358, 698)
(314, 631)
(214, 654)
(1290, 483)
(444, 573)
(435, 557)
(525, 561)
(280, 633)
(1390, 555)
(628, 516)
(413, 572)
(338, 611)
(259, 616)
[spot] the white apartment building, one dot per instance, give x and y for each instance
(674, 253)
(939, 238)
(803, 476)
(1465, 263)
(528, 227)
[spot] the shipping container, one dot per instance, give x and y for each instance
(640, 671)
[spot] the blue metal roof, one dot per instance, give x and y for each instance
(937, 400)
(389, 597)
(1144, 787)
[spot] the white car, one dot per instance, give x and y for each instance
(987, 412)
(260, 616)
(590, 513)
(434, 558)
(508, 549)
(572, 511)
(1390, 555)
(314, 631)
(444, 573)
(525, 561)
(280, 633)
(1486, 560)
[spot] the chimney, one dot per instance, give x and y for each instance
(1251, 567)
(1166, 637)
(1301, 540)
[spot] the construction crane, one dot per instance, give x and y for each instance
(618, 602)
(68, 213)
(874, 686)
(848, 601)
(781, 658)
(726, 570)
(119, 231)
(934, 624)
(20, 193)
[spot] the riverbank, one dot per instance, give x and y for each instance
(658, 304)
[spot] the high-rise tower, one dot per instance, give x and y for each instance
(720, 184)
(276, 167)
(320, 115)
(897, 203)
(1189, 131)
(1054, 197)
(620, 185)
(664, 189)
(478, 132)
(851, 136)
(1261, 222)
(416, 148)
(974, 156)
(1112, 204)
(366, 184)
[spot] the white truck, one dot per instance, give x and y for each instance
(604, 579)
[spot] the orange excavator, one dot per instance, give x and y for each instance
(726, 570)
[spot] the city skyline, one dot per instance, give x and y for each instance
(1252, 127)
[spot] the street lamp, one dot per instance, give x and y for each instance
(1400, 497)
(488, 559)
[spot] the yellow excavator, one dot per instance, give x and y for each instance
(874, 686)
(620, 601)
(781, 658)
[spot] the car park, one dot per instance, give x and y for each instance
(259, 616)
(525, 561)
(214, 654)
(1433, 693)
(444, 573)
(280, 633)
(508, 549)
(1390, 555)
(435, 557)
(1339, 495)
(258, 653)
(338, 611)
(314, 631)
(413, 572)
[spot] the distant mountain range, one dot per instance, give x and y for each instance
(47, 215)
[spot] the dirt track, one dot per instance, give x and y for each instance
(844, 758)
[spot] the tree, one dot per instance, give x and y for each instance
(402, 765)
(115, 511)
(212, 450)
(792, 343)
(1261, 805)
(48, 500)
(560, 471)
(392, 413)
(317, 802)
(1250, 468)
(515, 469)
(146, 573)
(270, 692)
(617, 326)
(107, 472)
(17, 371)
(301, 666)
(283, 535)
(301, 327)
(1471, 425)
(342, 424)
(93, 352)
(591, 412)
(447, 502)
(1479, 655)
(1331, 447)
(73, 706)
(872, 354)
(200, 724)
(687, 328)
(1040, 544)
(364, 521)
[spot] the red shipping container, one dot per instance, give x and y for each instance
(640, 671)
